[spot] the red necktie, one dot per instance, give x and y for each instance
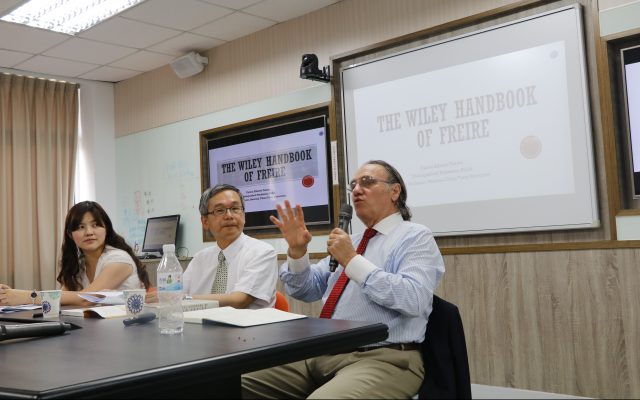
(341, 283)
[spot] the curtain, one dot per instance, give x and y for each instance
(38, 139)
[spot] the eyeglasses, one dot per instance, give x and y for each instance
(220, 211)
(365, 182)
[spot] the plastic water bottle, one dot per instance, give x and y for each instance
(171, 319)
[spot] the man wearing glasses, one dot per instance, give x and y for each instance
(387, 274)
(238, 270)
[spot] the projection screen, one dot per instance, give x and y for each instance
(490, 130)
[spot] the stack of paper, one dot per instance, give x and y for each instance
(106, 297)
(22, 307)
(187, 305)
(239, 317)
(97, 312)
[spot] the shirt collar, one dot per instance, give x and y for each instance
(234, 248)
(388, 223)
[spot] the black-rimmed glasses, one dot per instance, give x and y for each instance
(220, 211)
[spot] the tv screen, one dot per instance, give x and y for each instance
(282, 158)
(631, 83)
(160, 231)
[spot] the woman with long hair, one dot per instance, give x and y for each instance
(94, 258)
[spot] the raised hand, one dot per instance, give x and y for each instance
(293, 228)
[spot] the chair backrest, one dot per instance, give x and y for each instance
(281, 302)
(444, 352)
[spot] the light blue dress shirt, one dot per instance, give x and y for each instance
(392, 283)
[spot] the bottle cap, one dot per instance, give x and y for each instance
(168, 248)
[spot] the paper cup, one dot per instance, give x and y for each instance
(50, 303)
(134, 301)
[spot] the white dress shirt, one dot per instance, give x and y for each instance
(252, 269)
(392, 282)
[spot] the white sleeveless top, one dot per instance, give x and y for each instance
(112, 255)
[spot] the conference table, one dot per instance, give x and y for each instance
(105, 359)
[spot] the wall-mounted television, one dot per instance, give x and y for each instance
(630, 60)
(160, 231)
(270, 159)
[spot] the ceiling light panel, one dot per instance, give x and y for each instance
(67, 16)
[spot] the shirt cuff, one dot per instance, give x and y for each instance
(297, 265)
(359, 268)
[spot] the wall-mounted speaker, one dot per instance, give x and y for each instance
(189, 64)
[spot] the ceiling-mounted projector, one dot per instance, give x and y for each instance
(188, 65)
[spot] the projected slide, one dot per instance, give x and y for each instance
(459, 134)
(267, 171)
(490, 130)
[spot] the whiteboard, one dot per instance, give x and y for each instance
(490, 130)
(158, 170)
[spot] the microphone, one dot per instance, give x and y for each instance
(32, 330)
(139, 319)
(343, 223)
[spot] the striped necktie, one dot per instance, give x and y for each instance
(330, 305)
(220, 283)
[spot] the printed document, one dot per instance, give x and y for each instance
(97, 312)
(239, 317)
(105, 297)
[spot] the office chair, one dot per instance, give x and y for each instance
(281, 302)
(444, 353)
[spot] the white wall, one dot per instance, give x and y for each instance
(98, 143)
(619, 18)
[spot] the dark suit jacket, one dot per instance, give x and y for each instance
(444, 352)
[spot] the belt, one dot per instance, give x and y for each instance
(394, 346)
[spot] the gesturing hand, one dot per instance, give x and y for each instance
(294, 230)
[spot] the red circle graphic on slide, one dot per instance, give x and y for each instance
(308, 181)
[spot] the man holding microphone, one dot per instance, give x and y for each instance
(387, 274)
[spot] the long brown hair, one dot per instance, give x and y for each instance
(69, 275)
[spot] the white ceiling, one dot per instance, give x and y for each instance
(142, 38)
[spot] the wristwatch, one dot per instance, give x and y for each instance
(34, 296)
